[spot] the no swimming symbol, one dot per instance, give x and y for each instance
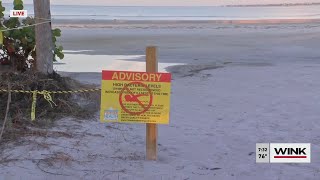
(133, 97)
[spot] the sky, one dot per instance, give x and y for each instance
(167, 2)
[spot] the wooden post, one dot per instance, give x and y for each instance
(152, 129)
(44, 44)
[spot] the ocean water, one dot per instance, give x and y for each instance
(179, 13)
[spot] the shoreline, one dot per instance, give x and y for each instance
(86, 23)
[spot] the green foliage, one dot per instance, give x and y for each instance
(2, 9)
(19, 44)
(57, 49)
(18, 5)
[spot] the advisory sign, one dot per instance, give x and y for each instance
(135, 97)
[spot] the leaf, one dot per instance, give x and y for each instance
(2, 9)
(29, 40)
(56, 32)
(17, 2)
(16, 34)
(6, 33)
(18, 7)
(28, 21)
(60, 55)
(12, 22)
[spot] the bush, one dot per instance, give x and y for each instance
(18, 48)
(77, 105)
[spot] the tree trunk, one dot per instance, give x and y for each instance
(44, 44)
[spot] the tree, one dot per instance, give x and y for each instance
(19, 41)
(43, 36)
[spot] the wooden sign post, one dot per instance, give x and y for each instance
(152, 129)
(138, 97)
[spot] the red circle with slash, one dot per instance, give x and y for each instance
(131, 97)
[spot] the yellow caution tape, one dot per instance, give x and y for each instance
(1, 38)
(52, 92)
(33, 107)
(46, 95)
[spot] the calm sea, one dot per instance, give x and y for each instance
(180, 13)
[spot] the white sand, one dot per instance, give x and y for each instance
(269, 93)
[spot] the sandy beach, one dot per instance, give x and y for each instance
(199, 40)
(197, 43)
(234, 85)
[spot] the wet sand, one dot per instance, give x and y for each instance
(199, 43)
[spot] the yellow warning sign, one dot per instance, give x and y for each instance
(135, 97)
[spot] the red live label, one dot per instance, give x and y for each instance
(18, 13)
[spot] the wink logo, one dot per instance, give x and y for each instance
(290, 153)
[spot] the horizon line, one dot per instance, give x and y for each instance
(226, 5)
